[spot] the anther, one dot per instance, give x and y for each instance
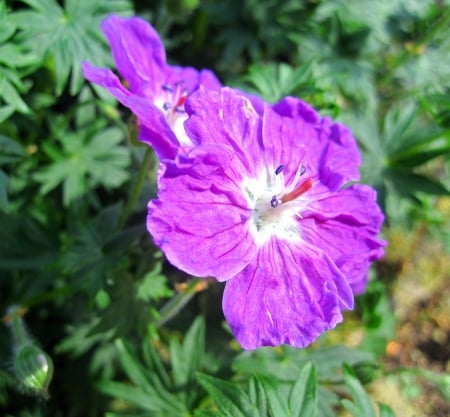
(167, 106)
(302, 170)
(274, 201)
(279, 169)
(167, 87)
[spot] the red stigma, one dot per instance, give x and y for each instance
(181, 100)
(297, 192)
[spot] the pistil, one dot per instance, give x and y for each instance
(297, 192)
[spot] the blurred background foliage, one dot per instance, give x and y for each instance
(99, 298)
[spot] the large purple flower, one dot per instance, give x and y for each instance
(260, 201)
(157, 91)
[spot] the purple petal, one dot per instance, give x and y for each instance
(225, 118)
(288, 294)
(200, 220)
(281, 136)
(154, 130)
(138, 53)
(332, 152)
(345, 225)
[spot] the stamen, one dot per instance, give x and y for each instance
(168, 88)
(167, 106)
(179, 109)
(279, 169)
(274, 201)
(297, 192)
(302, 170)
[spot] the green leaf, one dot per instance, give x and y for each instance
(13, 57)
(3, 191)
(273, 82)
(385, 410)
(10, 150)
(131, 366)
(302, 398)
(186, 359)
(276, 397)
(153, 285)
(67, 35)
(231, 400)
(144, 399)
(257, 395)
(85, 162)
(408, 183)
(361, 406)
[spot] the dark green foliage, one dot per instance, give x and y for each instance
(131, 336)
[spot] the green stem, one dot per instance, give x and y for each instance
(18, 330)
(137, 188)
(173, 306)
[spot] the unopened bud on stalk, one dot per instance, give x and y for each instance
(31, 365)
(34, 368)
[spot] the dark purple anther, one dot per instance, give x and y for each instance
(180, 109)
(167, 87)
(274, 201)
(279, 169)
(167, 106)
(302, 170)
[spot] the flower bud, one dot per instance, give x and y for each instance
(33, 368)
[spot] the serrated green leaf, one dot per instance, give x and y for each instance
(428, 147)
(273, 82)
(144, 399)
(131, 365)
(153, 285)
(408, 183)
(10, 150)
(6, 111)
(276, 399)
(86, 162)
(67, 35)
(257, 395)
(361, 406)
(302, 398)
(231, 400)
(3, 193)
(186, 359)
(9, 94)
(385, 410)
(397, 122)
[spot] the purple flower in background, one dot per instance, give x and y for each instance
(157, 91)
(260, 202)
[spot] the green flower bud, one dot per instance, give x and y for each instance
(33, 368)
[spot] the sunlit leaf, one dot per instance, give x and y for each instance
(68, 35)
(85, 162)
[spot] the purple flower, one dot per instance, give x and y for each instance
(157, 91)
(260, 201)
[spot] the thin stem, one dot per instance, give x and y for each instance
(137, 188)
(173, 306)
(18, 330)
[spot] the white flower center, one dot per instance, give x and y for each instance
(171, 103)
(275, 205)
